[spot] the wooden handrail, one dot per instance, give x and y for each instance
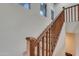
(46, 42)
(71, 6)
(30, 46)
(49, 26)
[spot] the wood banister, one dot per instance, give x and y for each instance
(30, 46)
(71, 6)
(46, 42)
(78, 12)
(71, 13)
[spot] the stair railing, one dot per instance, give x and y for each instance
(45, 44)
(72, 13)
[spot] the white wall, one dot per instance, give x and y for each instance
(60, 47)
(72, 27)
(77, 43)
(17, 23)
(70, 46)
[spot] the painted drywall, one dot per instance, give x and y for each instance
(17, 23)
(77, 43)
(72, 27)
(60, 47)
(70, 43)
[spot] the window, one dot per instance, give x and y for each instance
(26, 5)
(52, 14)
(43, 9)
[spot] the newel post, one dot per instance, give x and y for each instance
(30, 46)
(64, 13)
(78, 12)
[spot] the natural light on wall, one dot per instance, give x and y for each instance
(70, 43)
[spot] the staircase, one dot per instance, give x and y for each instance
(46, 42)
